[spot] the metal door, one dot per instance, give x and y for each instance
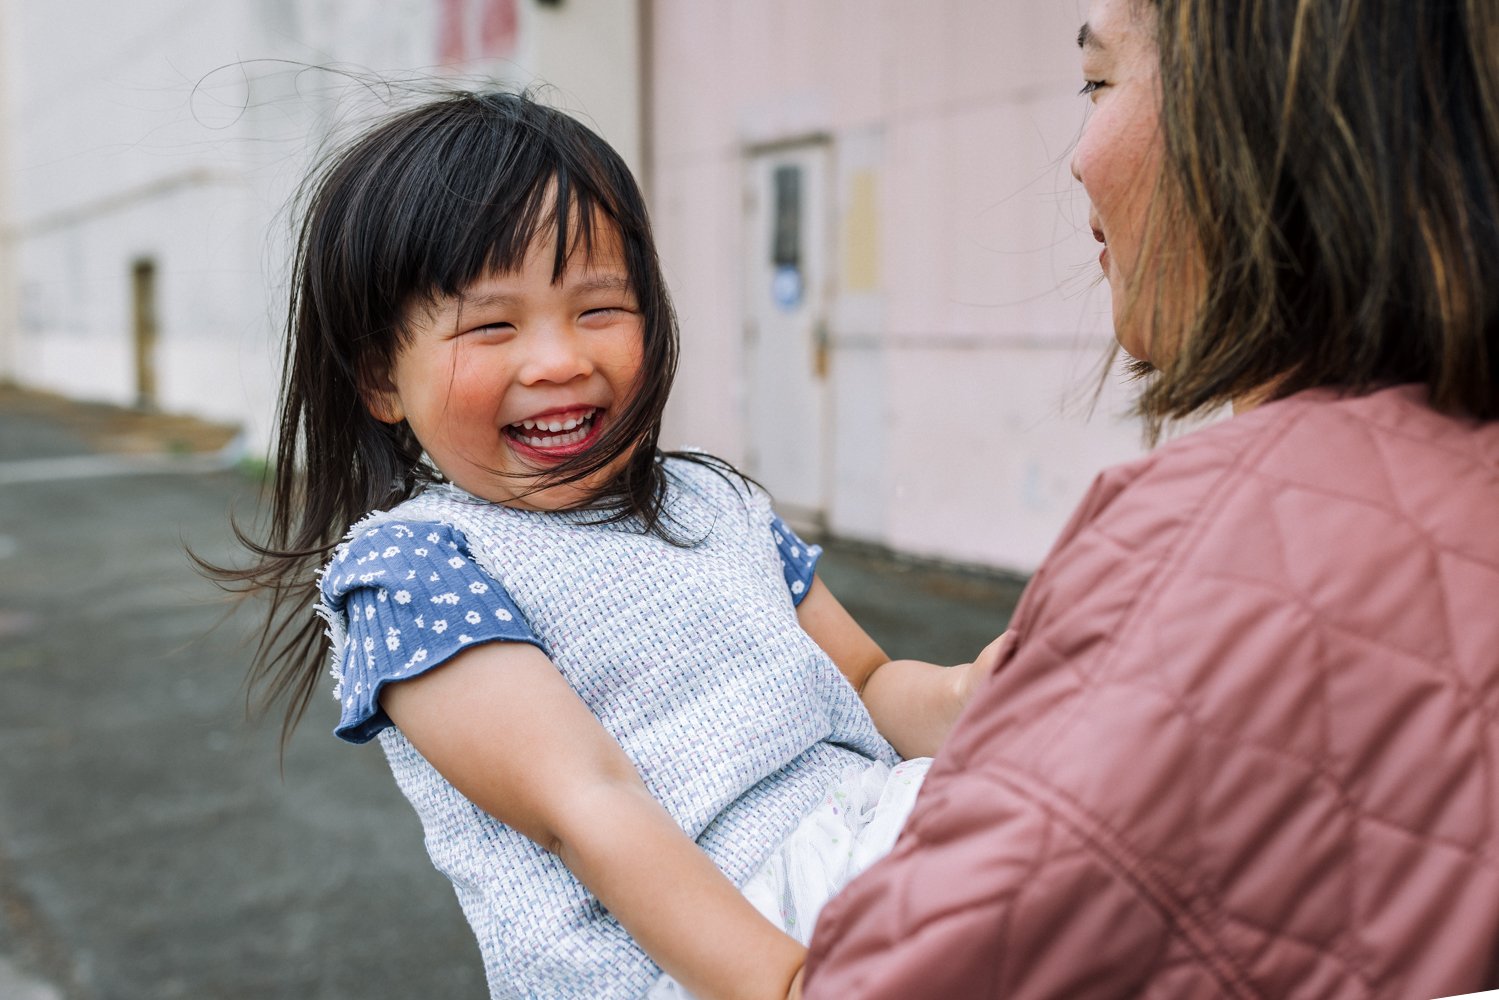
(786, 348)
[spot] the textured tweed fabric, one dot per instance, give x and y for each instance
(691, 656)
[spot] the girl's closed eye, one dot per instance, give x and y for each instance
(606, 315)
(1091, 87)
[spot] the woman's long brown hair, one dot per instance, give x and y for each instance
(1334, 164)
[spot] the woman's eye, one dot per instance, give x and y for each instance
(1090, 87)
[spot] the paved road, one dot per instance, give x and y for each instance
(149, 847)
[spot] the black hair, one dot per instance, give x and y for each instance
(413, 211)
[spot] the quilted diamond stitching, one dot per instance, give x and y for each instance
(1159, 579)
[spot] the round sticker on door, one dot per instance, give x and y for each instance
(786, 287)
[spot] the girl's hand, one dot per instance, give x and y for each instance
(973, 675)
(913, 704)
(795, 992)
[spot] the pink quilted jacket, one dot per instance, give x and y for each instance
(1246, 744)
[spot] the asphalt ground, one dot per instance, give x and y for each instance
(152, 844)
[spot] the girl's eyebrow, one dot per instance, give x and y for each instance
(1087, 38)
(483, 300)
(597, 282)
(604, 282)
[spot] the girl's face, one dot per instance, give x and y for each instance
(517, 373)
(1118, 157)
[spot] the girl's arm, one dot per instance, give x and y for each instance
(500, 723)
(913, 704)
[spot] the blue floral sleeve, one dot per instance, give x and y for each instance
(798, 559)
(410, 597)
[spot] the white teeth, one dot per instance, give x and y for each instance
(555, 425)
(562, 432)
(560, 441)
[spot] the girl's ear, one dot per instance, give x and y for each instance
(384, 407)
(382, 399)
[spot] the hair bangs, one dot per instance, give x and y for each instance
(489, 196)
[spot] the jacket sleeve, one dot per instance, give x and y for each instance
(1008, 880)
(1236, 751)
(993, 892)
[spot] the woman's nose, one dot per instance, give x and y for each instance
(555, 355)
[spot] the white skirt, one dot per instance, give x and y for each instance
(854, 826)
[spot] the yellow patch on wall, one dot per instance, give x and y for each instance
(861, 233)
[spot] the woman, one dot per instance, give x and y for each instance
(1245, 740)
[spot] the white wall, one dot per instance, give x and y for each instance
(965, 324)
(114, 157)
(586, 52)
(178, 129)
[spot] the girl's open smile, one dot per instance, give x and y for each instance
(557, 434)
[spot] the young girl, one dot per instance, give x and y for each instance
(607, 678)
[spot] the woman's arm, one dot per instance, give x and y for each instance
(500, 723)
(913, 704)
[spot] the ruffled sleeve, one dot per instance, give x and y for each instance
(798, 559)
(400, 599)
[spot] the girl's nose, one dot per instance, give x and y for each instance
(557, 356)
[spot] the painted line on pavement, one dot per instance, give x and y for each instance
(51, 470)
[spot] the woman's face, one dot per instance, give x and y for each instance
(1118, 158)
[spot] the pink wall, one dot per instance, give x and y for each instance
(964, 319)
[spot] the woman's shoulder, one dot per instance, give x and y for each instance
(1350, 447)
(1289, 495)
(1381, 428)
(1147, 501)
(1369, 456)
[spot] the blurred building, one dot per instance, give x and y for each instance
(152, 149)
(882, 266)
